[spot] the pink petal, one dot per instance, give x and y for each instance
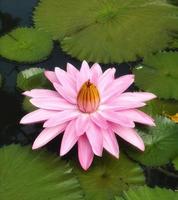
(121, 105)
(61, 117)
(66, 93)
(95, 138)
(85, 153)
(99, 120)
(51, 76)
(84, 75)
(47, 135)
(118, 86)
(117, 118)
(65, 79)
(82, 123)
(137, 116)
(37, 116)
(72, 70)
(52, 103)
(69, 138)
(110, 143)
(137, 96)
(105, 80)
(130, 135)
(41, 93)
(96, 72)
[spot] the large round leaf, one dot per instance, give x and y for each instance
(26, 45)
(147, 193)
(35, 176)
(159, 74)
(108, 177)
(160, 143)
(108, 31)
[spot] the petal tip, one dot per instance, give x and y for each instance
(34, 146)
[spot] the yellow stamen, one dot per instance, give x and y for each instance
(88, 98)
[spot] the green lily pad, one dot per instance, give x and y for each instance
(109, 176)
(35, 176)
(174, 2)
(108, 31)
(27, 106)
(159, 74)
(32, 78)
(147, 193)
(26, 45)
(161, 107)
(160, 143)
(175, 162)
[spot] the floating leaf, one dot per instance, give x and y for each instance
(108, 177)
(175, 162)
(160, 143)
(159, 74)
(31, 78)
(161, 107)
(27, 106)
(35, 176)
(147, 193)
(26, 45)
(108, 31)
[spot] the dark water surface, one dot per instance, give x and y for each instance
(15, 13)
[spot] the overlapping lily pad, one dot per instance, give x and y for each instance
(108, 177)
(159, 74)
(175, 162)
(148, 194)
(32, 78)
(160, 143)
(27, 106)
(161, 107)
(108, 31)
(26, 45)
(39, 176)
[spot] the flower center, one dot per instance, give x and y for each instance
(88, 98)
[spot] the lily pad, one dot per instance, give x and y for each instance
(175, 162)
(27, 106)
(39, 176)
(161, 107)
(160, 143)
(26, 45)
(108, 31)
(147, 193)
(32, 78)
(159, 74)
(108, 177)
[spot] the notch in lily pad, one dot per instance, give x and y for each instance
(108, 31)
(159, 74)
(108, 177)
(26, 45)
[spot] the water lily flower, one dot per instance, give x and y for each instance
(91, 107)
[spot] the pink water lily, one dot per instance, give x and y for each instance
(91, 108)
